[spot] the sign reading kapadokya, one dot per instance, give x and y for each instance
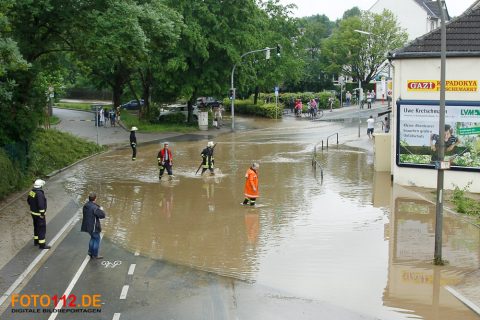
(450, 85)
(419, 140)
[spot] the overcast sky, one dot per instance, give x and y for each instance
(334, 9)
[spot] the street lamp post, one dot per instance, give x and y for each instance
(267, 49)
(360, 91)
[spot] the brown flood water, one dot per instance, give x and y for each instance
(350, 239)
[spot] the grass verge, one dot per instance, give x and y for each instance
(74, 106)
(49, 151)
(130, 120)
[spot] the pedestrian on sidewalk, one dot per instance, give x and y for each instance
(348, 98)
(38, 206)
(165, 161)
(386, 125)
(251, 185)
(92, 213)
(207, 158)
(133, 143)
(102, 116)
(370, 127)
(369, 100)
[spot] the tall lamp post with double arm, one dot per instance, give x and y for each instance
(232, 89)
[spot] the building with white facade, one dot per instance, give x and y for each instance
(416, 75)
(416, 16)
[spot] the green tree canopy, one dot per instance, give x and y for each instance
(360, 55)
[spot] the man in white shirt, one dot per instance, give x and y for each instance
(370, 127)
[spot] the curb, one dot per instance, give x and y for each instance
(464, 300)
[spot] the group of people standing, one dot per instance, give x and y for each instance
(105, 116)
(93, 213)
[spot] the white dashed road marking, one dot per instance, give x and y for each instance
(123, 295)
(116, 316)
(131, 270)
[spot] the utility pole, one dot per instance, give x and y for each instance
(441, 150)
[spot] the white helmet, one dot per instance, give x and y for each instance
(210, 144)
(134, 129)
(255, 165)
(38, 183)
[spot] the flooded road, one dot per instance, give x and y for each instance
(349, 238)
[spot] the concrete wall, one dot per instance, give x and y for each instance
(410, 15)
(383, 152)
(429, 69)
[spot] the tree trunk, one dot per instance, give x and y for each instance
(255, 96)
(190, 104)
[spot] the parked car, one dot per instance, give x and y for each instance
(208, 102)
(173, 108)
(133, 105)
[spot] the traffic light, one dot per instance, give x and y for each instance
(231, 94)
(278, 50)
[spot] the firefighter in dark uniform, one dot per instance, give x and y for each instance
(133, 143)
(207, 158)
(38, 206)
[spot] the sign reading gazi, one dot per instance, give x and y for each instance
(434, 85)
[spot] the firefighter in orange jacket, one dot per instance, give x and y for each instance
(38, 206)
(251, 185)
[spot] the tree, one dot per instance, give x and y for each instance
(40, 31)
(360, 55)
(314, 30)
(353, 12)
(216, 33)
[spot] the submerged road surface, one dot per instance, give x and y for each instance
(345, 246)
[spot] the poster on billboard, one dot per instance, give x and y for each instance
(418, 134)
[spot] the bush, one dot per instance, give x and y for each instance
(464, 204)
(263, 110)
(11, 175)
(174, 117)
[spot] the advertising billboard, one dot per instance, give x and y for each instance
(418, 134)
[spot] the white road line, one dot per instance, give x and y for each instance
(32, 265)
(131, 270)
(123, 295)
(116, 316)
(70, 287)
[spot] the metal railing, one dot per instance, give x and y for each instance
(334, 134)
(315, 163)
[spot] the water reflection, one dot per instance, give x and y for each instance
(414, 283)
(349, 240)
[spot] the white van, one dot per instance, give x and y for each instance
(183, 108)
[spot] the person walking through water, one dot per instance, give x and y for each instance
(370, 127)
(38, 206)
(207, 158)
(133, 143)
(92, 213)
(165, 161)
(251, 185)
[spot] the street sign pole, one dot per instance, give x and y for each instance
(441, 148)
